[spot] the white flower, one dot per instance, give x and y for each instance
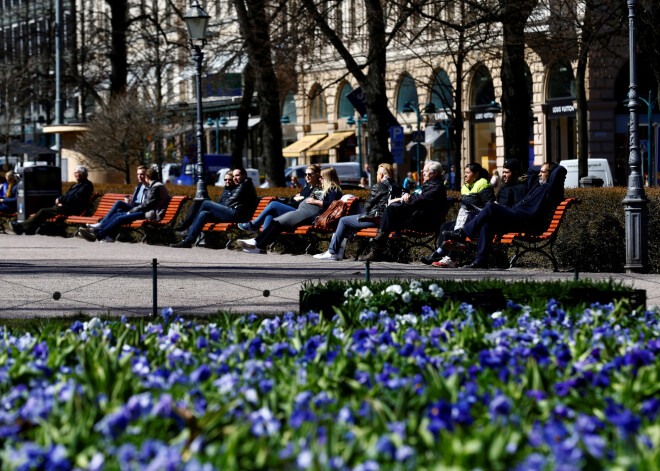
(364, 293)
(496, 314)
(95, 323)
(406, 297)
(436, 290)
(414, 284)
(348, 293)
(394, 289)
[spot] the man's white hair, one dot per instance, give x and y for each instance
(434, 166)
(82, 169)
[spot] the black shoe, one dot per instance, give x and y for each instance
(432, 257)
(372, 256)
(457, 235)
(380, 240)
(87, 234)
(478, 264)
(184, 244)
(16, 227)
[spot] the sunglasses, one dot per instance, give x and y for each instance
(309, 174)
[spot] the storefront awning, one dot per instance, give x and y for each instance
(432, 138)
(301, 145)
(330, 142)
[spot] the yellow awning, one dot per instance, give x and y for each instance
(330, 142)
(301, 145)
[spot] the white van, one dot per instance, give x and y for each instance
(597, 168)
(252, 173)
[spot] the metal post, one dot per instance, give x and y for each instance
(58, 81)
(202, 193)
(367, 273)
(154, 271)
(217, 136)
(359, 125)
(635, 202)
(649, 151)
(419, 123)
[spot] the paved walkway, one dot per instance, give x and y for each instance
(95, 278)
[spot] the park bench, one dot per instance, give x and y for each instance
(56, 226)
(217, 227)
(541, 243)
(104, 206)
(146, 227)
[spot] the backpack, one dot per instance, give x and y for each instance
(330, 218)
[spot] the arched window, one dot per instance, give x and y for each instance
(483, 92)
(561, 82)
(289, 107)
(318, 110)
(345, 108)
(407, 93)
(442, 93)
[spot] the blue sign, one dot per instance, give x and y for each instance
(396, 143)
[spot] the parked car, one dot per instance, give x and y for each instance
(252, 173)
(170, 172)
(348, 172)
(597, 168)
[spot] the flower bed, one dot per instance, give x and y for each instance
(520, 388)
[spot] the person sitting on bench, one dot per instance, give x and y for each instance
(308, 210)
(152, 207)
(8, 194)
(380, 195)
(419, 210)
(73, 202)
(239, 208)
(276, 208)
(546, 191)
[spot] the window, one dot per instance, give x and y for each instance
(345, 108)
(407, 93)
(318, 110)
(442, 94)
(289, 107)
(561, 82)
(483, 91)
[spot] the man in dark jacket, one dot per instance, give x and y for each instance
(514, 187)
(182, 228)
(153, 207)
(239, 208)
(546, 190)
(422, 211)
(75, 201)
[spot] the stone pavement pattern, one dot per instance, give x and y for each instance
(116, 279)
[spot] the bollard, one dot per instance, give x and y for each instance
(154, 270)
(367, 275)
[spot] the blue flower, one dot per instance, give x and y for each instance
(263, 422)
(166, 313)
(622, 418)
(201, 374)
(201, 343)
(650, 409)
(500, 406)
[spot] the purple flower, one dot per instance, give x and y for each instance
(201, 343)
(625, 421)
(650, 409)
(40, 351)
(263, 422)
(201, 374)
(500, 406)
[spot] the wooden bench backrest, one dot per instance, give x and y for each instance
(106, 203)
(173, 208)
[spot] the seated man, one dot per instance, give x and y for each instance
(129, 202)
(513, 190)
(239, 208)
(182, 228)
(546, 190)
(152, 207)
(8, 194)
(420, 210)
(73, 202)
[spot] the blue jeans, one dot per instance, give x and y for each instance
(118, 207)
(274, 209)
(8, 209)
(209, 212)
(109, 225)
(347, 225)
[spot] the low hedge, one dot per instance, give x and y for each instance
(591, 238)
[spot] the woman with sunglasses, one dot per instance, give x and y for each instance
(318, 201)
(194, 207)
(276, 208)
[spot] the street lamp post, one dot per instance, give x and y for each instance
(196, 20)
(217, 122)
(635, 202)
(410, 107)
(351, 122)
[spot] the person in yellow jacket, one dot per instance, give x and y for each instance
(476, 193)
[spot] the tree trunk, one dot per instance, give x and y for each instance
(581, 91)
(515, 97)
(254, 25)
(242, 129)
(118, 52)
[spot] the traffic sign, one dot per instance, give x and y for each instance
(419, 136)
(396, 143)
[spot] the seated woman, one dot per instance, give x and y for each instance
(309, 209)
(8, 194)
(275, 208)
(475, 195)
(379, 196)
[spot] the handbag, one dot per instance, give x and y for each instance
(330, 218)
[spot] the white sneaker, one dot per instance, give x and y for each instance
(108, 239)
(94, 226)
(247, 243)
(325, 256)
(446, 262)
(254, 250)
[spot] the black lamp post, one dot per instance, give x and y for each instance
(635, 204)
(196, 20)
